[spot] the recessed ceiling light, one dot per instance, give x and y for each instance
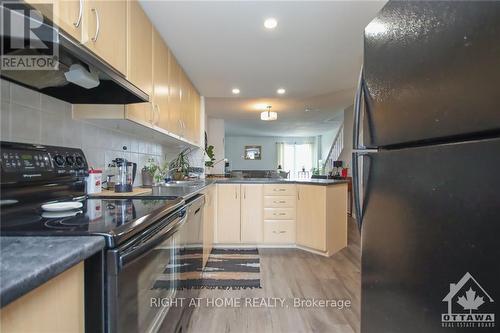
(281, 91)
(270, 23)
(235, 91)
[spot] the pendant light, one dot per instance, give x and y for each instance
(269, 115)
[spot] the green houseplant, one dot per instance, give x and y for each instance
(153, 172)
(209, 161)
(180, 165)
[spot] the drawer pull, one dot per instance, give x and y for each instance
(98, 25)
(279, 214)
(279, 201)
(279, 189)
(279, 231)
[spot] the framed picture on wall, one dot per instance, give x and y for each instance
(252, 152)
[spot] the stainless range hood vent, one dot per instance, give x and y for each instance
(112, 87)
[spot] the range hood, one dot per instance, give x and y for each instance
(74, 61)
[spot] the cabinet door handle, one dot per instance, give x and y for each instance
(158, 111)
(80, 14)
(298, 194)
(235, 193)
(98, 25)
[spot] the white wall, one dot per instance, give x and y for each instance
(235, 146)
(31, 117)
(215, 134)
(346, 154)
(327, 141)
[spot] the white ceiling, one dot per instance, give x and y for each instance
(316, 50)
(242, 115)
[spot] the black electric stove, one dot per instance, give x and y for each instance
(143, 234)
(33, 175)
(116, 219)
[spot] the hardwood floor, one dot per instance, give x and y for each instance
(289, 274)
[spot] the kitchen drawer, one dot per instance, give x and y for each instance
(279, 213)
(279, 232)
(279, 189)
(279, 201)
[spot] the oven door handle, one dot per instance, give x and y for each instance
(138, 250)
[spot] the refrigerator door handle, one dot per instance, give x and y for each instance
(357, 112)
(357, 188)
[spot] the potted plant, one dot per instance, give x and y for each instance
(210, 159)
(148, 172)
(180, 165)
(153, 173)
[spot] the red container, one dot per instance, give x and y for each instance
(344, 172)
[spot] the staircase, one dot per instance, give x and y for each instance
(335, 149)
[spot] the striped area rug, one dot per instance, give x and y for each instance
(232, 269)
(225, 269)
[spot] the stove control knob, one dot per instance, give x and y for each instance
(70, 160)
(59, 160)
(79, 161)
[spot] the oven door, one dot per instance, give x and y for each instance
(142, 279)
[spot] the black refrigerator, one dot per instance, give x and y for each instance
(426, 168)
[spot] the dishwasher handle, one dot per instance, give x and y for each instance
(141, 247)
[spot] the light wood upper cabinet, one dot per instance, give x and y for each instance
(139, 48)
(228, 213)
(251, 213)
(161, 82)
(140, 60)
(121, 34)
(197, 120)
(66, 14)
(105, 31)
(174, 98)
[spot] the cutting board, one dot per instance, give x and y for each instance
(110, 193)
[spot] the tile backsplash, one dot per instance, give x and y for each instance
(31, 117)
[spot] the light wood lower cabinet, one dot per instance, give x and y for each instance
(208, 221)
(228, 213)
(239, 218)
(322, 217)
(279, 231)
(310, 216)
(251, 213)
(55, 306)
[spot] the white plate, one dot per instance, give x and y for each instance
(62, 206)
(60, 215)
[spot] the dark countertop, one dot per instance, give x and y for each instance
(323, 182)
(188, 191)
(28, 262)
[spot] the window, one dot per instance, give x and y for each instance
(295, 157)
